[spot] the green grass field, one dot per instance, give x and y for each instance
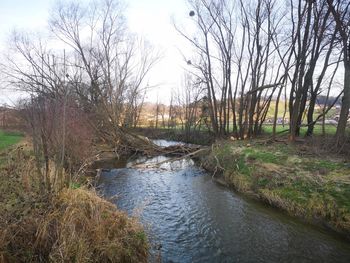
(9, 138)
(329, 129)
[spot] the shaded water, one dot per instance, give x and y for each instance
(196, 220)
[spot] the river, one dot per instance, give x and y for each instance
(190, 218)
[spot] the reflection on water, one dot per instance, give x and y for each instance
(195, 220)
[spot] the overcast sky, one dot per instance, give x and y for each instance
(151, 19)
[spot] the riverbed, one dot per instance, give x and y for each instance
(190, 218)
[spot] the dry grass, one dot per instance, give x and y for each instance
(74, 225)
(86, 228)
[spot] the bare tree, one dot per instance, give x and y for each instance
(188, 102)
(240, 75)
(113, 64)
(101, 74)
(340, 10)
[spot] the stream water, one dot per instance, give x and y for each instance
(190, 218)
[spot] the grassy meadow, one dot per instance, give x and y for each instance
(9, 138)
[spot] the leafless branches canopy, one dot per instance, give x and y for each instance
(249, 54)
(88, 78)
(247, 58)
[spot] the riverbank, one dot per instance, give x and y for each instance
(310, 185)
(73, 225)
(188, 217)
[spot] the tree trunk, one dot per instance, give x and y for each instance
(344, 112)
(310, 113)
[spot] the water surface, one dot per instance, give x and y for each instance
(196, 220)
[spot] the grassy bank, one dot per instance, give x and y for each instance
(329, 129)
(73, 225)
(310, 185)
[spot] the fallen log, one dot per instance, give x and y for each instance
(189, 155)
(142, 145)
(130, 144)
(179, 150)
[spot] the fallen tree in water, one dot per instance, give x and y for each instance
(128, 143)
(134, 144)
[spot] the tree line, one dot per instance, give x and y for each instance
(86, 79)
(249, 55)
(86, 83)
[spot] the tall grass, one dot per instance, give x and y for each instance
(72, 225)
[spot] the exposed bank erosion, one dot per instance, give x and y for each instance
(312, 188)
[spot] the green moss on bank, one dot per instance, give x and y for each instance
(315, 188)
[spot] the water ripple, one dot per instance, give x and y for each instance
(196, 220)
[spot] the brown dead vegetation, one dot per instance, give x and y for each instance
(72, 225)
